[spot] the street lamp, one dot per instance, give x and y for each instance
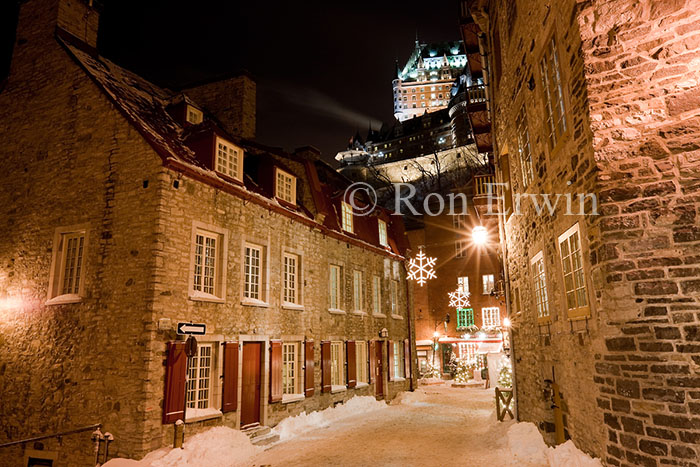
(479, 235)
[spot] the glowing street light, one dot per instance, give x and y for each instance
(480, 235)
(506, 322)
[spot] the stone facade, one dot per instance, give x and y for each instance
(626, 363)
(81, 156)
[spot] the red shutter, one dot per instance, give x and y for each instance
(229, 402)
(407, 359)
(175, 377)
(352, 364)
(275, 371)
(326, 366)
(391, 360)
(309, 368)
(372, 361)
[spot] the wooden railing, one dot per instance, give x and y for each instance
(477, 94)
(504, 399)
(481, 185)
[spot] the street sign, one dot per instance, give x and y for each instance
(191, 329)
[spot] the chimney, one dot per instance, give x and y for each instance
(79, 18)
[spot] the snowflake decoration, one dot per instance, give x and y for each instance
(459, 298)
(420, 268)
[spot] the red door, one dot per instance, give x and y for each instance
(379, 374)
(251, 383)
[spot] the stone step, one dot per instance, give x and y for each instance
(265, 439)
(256, 431)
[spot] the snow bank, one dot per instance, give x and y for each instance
(293, 426)
(217, 447)
(528, 448)
(417, 397)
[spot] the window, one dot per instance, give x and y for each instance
(467, 350)
(194, 115)
(205, 262)
(459, 222)
(461, 248)
(463, 284)
(361, 361)
(229, 160)
(398, 360)
(290, 279)
(377, 295)
(488, 283)
(490, 317)
(66, 283)
(540, 285)
(199, 378)
(382, 233)
(337, 364)
(357, 290)
(465, 317)
(253, 272)
(550, 72)
(290, 368)
(286, 187)
(347, 217)
(574, 278)
(334, 282)
(394, 297)
(524, 149)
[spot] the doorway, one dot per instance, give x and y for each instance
(251, 381)
(379, 376)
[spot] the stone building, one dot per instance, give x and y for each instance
(600, 98)
(127, 209)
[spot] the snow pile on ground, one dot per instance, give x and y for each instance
(293, 426)
(417, 397)
(428, 381)
(528, 448)
(217, 447)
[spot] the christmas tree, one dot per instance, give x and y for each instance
(433, 372)
(505, 374)
(462, 369)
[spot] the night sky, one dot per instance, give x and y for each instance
(323, 69)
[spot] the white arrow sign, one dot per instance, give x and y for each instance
(192, 329)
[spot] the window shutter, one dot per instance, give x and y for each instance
(229, 402)
(326, 366)
(391, 360)
(175, 377)
(372, 361)
(352, 364)
(275, 371)
(309, 368)
(407, 358)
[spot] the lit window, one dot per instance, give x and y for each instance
(540, 285)
(488, 283)
(194, 115)
(347, 217)
(377, 295)
(398, 360)
(337, 364)
(465, 317)
(550, 73)
(463, 284)
(467, 350)
(524, 149)
(394, 291)
(286, 187)
(229, 159)
(361, 361)
(334, 281)
(253, 263)
(199, 378)
(357, 290)
(461, 248)
(574, 278)
(205, 262)
(68, 271)
(290, 368)
(290, 279)
(382, 233)
(490, 317)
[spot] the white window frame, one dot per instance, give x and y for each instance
(575, 279)
(463, 284)
(459, 222)
(288, 181)
(524, 147)
(539, 282)
(193, 115)
(295, 291)
(490, 317)
(486, 280)
(347, 217)
(197, 289)
(398, 360)
(550, 75)
(337, 365)
(461, 247)
(247, 290)
(361, 373)
(292, 388)
(57, 293)
(225, 150)
(383, 238)
(357, 291)
(377, 296)
(468, 350)
(394, 297)
(199, 383)
(335, 287)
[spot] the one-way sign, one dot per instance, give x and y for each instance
(191, 329)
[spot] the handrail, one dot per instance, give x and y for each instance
(53, 435)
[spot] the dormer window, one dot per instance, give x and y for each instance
(229, 159)
(382, 233)
(286, 186)
(347, 217)
(194, 115)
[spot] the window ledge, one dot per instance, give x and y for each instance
(205, 297)
(336, 311)
(338, 388)
(292, 306)
(64, 299)
(379, 315)
(359, 313)
(396, 316)
(198, 415)
(398, 379)
(254, 302)
(361, 385)
(288, 398)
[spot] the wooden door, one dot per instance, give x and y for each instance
(251, 383)
(379, 375)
